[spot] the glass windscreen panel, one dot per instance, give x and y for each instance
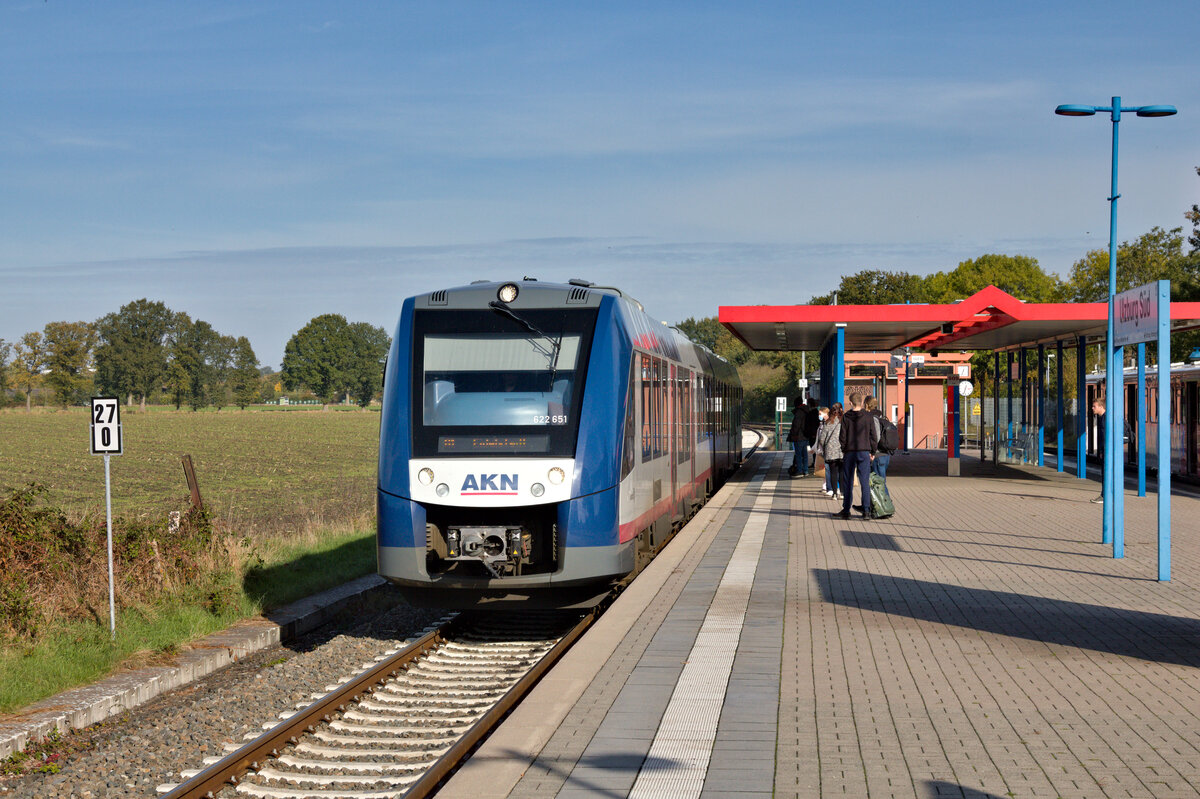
(488, 385)
(498, 381)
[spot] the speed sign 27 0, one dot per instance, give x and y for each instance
(106, 426)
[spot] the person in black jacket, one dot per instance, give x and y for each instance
(859, 442)
(799, 439)
(1098, 408)
(811, 422)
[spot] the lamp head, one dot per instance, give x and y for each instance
(1076, 110)
(1157, 111)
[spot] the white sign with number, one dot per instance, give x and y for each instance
(106, 426)
(780, 404)
(917, 360)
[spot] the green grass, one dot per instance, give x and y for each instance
(296, 488)
(299, 568)
(81, 652)
(259, 471)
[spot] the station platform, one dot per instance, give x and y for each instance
(980, 643)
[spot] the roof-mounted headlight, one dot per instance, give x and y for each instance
(507, 293)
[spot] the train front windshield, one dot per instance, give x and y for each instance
(495, 384)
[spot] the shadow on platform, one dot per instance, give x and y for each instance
(603, 775)
(937, 789)
(1130, 633)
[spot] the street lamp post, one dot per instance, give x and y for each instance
(1113, 492)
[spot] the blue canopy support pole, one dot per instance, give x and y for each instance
(1023, 371)
(833, 367)
(1118, 450)
(907, 420)
(1009, 380)
(1081, 409)
(1041, 404)
(1113, 376)
(1164, 428)
(839, 363)
(1059, 365)
(1141, 417)
(996, 412)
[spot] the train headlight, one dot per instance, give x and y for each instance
(556, 476)
(442, 489)
(537, 489)
(425, 476)
(507, 293)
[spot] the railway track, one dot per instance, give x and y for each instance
(761, 439)
(403, 724)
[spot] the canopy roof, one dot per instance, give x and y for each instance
(987, 320)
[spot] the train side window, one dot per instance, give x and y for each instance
(647, 405)
(658, 408)
(669, 394)
(679, 416)
(685, 432)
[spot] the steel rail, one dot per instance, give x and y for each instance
(443, 766)
(230, 768)
(761, 438)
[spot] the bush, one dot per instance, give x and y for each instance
(54, 567)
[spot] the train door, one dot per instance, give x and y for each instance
(1190, 421)
(1131, 422)
(673, 432)
(689, 431)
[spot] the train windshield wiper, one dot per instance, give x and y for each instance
(555, 343)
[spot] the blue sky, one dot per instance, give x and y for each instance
(257, 164)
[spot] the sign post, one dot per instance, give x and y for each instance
(106, 441)
(780, 409)
(1143, 314)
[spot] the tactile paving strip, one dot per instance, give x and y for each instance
(678, 759)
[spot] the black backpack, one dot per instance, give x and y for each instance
(889, 436)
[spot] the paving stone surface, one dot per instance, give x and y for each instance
(981, 643)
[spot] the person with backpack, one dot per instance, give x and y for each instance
(889, 441)
(859, 442)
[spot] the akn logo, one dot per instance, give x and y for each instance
(490, 484)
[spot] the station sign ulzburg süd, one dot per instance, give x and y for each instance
(1136, 315)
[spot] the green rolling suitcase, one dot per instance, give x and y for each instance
(881, 503)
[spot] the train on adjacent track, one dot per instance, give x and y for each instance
(541, 441)
(1185, 417)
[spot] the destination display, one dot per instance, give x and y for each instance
(477, 444)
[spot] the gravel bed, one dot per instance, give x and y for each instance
(132, 754)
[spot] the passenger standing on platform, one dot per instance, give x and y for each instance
(798, 441)
(1098, 409)
(811, 422)
(829, 444)
(859, 443)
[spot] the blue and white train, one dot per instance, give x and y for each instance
(540, 441)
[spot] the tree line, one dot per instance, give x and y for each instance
(1157, 255)
(147, 352)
